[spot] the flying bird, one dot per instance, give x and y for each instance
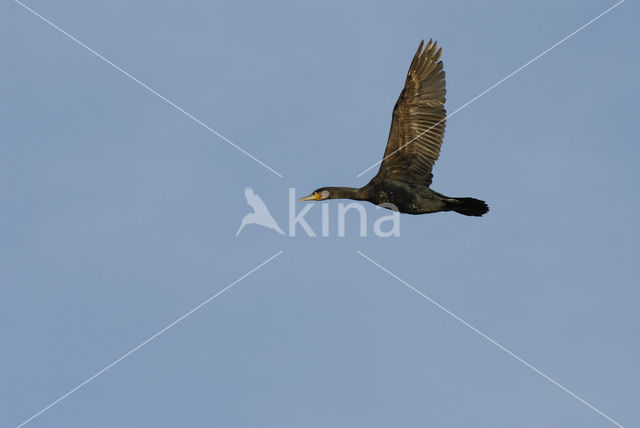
(260, 214)
(417, 130)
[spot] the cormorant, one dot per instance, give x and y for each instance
(417, 129)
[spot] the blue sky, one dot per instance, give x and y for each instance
(119, 215)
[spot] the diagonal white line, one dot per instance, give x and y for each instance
(488, 338)
(149, 339)
(496, 84)
(171, 103)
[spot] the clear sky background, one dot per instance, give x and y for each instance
(119, 213)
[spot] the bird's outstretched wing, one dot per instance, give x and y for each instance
(255, 201)
(417, 127)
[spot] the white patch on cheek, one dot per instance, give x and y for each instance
(324, 194)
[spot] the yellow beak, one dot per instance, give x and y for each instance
(312, 197)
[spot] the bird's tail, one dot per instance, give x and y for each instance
(467, 206)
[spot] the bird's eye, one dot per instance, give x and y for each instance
(324, 194)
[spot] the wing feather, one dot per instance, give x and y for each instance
(418, 123)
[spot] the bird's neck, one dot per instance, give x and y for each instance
(347, 193)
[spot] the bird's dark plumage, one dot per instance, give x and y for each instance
(419, 118)
(415, 138)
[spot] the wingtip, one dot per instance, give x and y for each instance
(431, 49)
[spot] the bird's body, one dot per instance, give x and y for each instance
(410, 198)
(415, 138)
(406, 197)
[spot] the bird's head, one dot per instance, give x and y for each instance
(318, 195)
